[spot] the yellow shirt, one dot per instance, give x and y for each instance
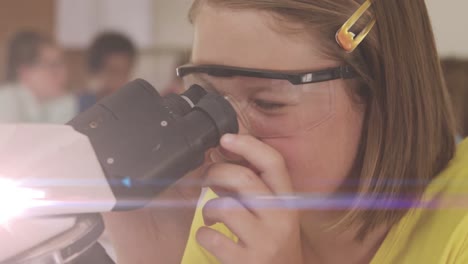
(430, 236)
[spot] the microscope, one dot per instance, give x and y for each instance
(118, 155)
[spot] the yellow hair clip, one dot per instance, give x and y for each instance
(347, 39)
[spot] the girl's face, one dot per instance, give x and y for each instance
(319, 157)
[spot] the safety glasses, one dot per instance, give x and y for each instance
(271, 103)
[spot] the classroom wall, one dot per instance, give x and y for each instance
(24, 14)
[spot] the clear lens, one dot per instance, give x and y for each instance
(271, 107)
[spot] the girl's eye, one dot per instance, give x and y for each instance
(268, 105)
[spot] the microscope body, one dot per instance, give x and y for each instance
(118, 155)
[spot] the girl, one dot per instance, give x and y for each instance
(346, 152)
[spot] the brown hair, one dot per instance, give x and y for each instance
(24, 49)
(408, 134)
(107, 44)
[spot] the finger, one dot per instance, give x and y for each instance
(234, 215)
(219, 245)
(235, 179)
(263, 157)
(246, 186)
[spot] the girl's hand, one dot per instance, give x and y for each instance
(251, 207)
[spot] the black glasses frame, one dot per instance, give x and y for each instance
(341, 72)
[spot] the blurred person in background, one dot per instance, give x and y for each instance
(36, 78)
(111, 58)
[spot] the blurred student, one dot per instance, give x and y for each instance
(111, 58)
(36, 78)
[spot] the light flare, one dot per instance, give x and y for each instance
(15, 200)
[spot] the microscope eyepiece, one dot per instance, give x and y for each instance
(182, 104)
(151, 140)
